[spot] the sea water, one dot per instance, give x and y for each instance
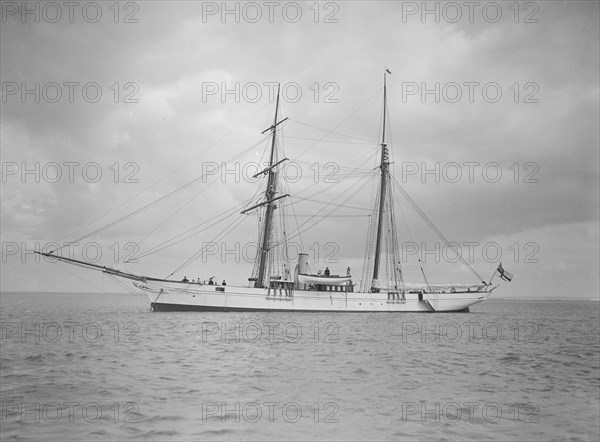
(104, 367)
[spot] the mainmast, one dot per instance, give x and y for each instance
(263, 254)
(384, 183)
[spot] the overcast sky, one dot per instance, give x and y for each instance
(151, 94)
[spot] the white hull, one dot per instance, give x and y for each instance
(178, 296)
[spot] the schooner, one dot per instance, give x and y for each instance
(299, 289)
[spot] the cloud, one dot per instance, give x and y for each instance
(177, 88)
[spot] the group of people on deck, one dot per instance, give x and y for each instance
(328, 273)
(211, 281)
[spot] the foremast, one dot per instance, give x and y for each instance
(270, 192)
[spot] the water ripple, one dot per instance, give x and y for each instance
(533, 376)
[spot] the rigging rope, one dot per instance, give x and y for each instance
(328, 141)
(435, 229)
(202, 152)
(165, 244)
(298, 232)
(339, 124)
(154, 203)
(219, 236)
(412, 240)
(337, 133)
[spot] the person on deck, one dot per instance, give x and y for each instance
(185, 279)
(327, 273)
(211, 281)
